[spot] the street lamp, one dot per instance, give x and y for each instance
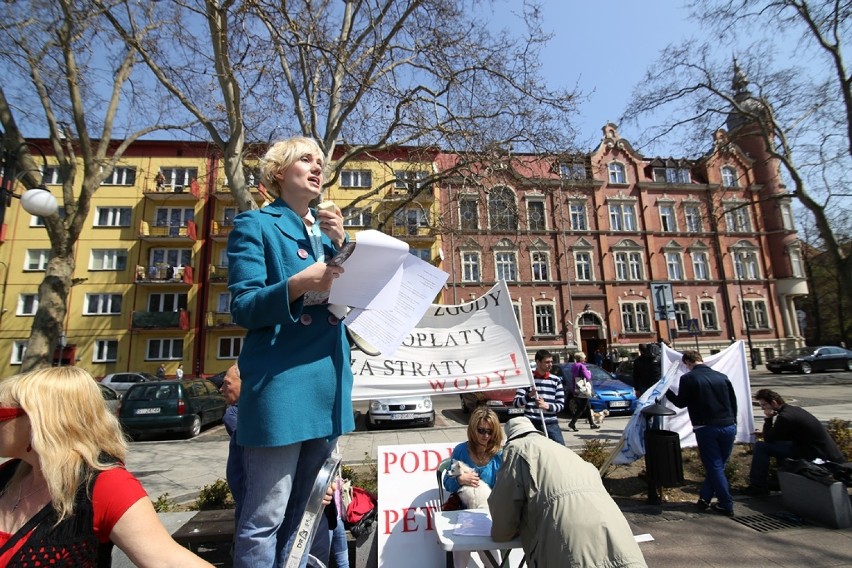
(739, 273)
(36, 201)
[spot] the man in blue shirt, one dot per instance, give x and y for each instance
(547, 398)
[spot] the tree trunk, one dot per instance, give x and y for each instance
(49, 322)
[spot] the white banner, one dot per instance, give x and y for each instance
(475, 346)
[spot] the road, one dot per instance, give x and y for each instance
(182, 467)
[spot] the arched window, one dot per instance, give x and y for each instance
(502, 210)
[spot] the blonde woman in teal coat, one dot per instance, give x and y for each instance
(294, 363)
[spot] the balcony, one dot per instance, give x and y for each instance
(217, 274)
(178, 320)
(162, 273)
(219, 320)
(258, 193)
(168, 192)
(423, 195)
(220, 230)
(168, 233)
(413, 233)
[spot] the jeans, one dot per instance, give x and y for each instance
(553, 430)
(278, 483)
(758, 475)
(715, 444)
(339, 546)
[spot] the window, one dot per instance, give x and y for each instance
(578, 216)
(745, 265)
(421, 253)
(667, 218)
(544, 319)
(358, 217)
(729, 177)
(173, 217)
(681, 310)
(634, 260)
(621, 270)
(628, 265)
(52, 176)
(356, 178)
(787, 216)
(228, 214)
(617, 173)
(409, 221)
(674, 266)
(671, 175)
(502, 210)
(170, 302)
(36, 259)
(700, 266)
(540, 263)
(622, 217)
(19, 350)
(708, 316)
(179, 177)
(173, 257)
(121, 175)
(112, 217)
(756, 316)
(102, 304)
(410, 182)
(223, 303)
(164, 350)
(252, 176)
(105, 351)
(36, 221)
(692, 214)
(108, 259)
(535, 215)
(796, 266)
(583, 264)
(737, 218)
(517, 309)
(506, 266)
(573, 170)
(229, 347)
(470, 266)
(27, 304)
(634, 317)
(469, 214)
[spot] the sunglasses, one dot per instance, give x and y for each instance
(10, 413)
(484, 431)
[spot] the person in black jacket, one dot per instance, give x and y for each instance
(647, 368)
(788, 432)
(709, 398)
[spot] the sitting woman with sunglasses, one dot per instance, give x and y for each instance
(65, 496)
(483, 453)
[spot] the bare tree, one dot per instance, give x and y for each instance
(803, 114)
(364, 75)
(77, 88)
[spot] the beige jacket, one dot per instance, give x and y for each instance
(558, 504)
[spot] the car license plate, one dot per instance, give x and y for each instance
(619, 404)
(403, 416)
(148, 410)
(515, 411)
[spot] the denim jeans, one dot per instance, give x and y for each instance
(715, 444)
(553, 430)
(758, 475)
(278, 483)
(339, 546)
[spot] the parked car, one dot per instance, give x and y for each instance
(500, 401)
(165, 407)
(624, 372)
(609, 393)
(123, 381)
(401, 410)
(112, 398)
(809, 359)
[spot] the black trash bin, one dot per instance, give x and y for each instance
(663, 458)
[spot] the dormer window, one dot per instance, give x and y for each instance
(729, 177)
(617, 173)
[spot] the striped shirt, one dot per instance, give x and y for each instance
(550, 389)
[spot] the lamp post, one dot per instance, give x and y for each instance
(741, 262)
(35, 201)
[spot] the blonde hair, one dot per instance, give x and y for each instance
(489, 417)
(280, 156)
(73, 432)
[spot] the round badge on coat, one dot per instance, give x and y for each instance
(303, 254)
(306, 319)
(333, 320)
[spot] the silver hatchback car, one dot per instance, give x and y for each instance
(122, 381)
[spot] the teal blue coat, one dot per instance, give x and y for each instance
(295, 362)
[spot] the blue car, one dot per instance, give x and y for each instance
(610, 393)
